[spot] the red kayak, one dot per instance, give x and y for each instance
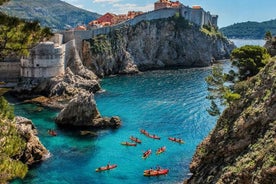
(144, 132)
(176, 140)
(157, 172)
(154, 136)
(146, 154)
(161, 150)
(52, 132)
(128, 143)
(105, 168)
(135, 139)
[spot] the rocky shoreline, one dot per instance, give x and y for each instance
(34, 152)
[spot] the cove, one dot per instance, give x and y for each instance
(168, 103)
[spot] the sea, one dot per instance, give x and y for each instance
(167, 103)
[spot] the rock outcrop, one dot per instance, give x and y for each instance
(242, 147)
(270, 45)
(82, 111)
(154, 44)
(34, 151)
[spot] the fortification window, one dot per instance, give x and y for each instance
(37, 64)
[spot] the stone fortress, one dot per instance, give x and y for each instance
(49, 59)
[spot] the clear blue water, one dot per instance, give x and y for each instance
(166, 103)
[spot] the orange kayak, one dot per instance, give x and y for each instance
(161, 150)
(176, 140)
(156, 172)
(105, 168)
(135, 139)
(146, 154)
(128, 144)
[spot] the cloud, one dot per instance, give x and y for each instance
(106, 1)
(124, 8)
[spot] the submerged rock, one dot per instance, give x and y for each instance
(82, 111)
(34, 151)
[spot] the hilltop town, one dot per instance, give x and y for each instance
(49, 59)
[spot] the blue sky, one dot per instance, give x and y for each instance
(229, 11)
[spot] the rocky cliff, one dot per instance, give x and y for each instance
(34, 151)
(154, 44)
(242, 147)
(82, 111)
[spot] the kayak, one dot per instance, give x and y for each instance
(135, 139)
(161, 150)
(154, 136)
(146, 154)
(149, 135)
(144, 132)
(105, 168)
(52, 132)
(156, 172)
(128, 143)
(176, 140)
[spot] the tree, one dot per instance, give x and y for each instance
(213, 110)
(268, 35)
(219, 90)
(18, 36)
(249, 59)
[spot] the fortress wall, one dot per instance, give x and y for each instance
(197, 16)
(157, 14)
(68, 49)
(9, 71)
(67, 36)
(57, 39)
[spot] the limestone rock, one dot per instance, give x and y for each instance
(35, 151)
(150, 45)
(82, 111)
(241, 148)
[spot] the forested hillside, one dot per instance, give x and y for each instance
(55, 14)
(249, 30)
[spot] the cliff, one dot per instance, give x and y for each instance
(154, 44)
(19, 144)
(242, 146)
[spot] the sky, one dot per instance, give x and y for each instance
(229, 11)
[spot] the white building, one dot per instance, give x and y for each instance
(45, 60)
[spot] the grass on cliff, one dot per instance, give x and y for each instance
(212, 31)
(11, 145)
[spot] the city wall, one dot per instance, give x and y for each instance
(9, 71)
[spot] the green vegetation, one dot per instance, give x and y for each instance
(250, 30)
(11, 145)
(17, 36)
(99, 44)
(212, 31)
(57, 15)
(249, 60)
(3, 1)
(180, 22)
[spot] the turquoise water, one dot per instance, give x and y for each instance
(166, 103)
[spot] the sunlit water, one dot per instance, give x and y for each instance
(166, 103)
(243, 42)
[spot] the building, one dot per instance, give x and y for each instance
(166, 4)
(45, 60)
(109, 19)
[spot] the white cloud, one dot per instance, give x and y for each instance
(124, 8)
(105, 1)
